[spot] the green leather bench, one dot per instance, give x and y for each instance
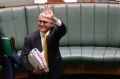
(91, 45)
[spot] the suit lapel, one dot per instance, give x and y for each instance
(38, 41)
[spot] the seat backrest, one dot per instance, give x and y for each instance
(14, 24)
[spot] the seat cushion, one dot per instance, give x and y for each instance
(104, 55)
(65, 53)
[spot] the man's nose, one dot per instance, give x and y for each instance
(41, 23)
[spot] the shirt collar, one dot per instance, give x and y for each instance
(41, 33)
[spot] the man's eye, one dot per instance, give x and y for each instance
(43, 22)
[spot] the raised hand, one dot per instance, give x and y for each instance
(48, 13)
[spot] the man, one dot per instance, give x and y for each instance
(54, 29)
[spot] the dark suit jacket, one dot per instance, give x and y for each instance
(33, 40)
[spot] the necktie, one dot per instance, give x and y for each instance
(45, 50)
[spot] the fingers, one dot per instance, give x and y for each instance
(38, 71)
(49, 8)
(47, 13)
(46, 8)
(36, 68)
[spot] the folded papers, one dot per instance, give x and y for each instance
(8, 45)
(36, 58)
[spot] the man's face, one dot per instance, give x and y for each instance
(44, 24)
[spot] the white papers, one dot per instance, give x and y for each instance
(37, 59)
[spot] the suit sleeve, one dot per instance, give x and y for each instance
(60, 31)
(24, 55)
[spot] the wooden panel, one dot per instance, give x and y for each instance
(90, 69)
(21, 75)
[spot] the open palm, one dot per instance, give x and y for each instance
(48, 12)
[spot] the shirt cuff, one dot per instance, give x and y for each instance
(58, 22)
